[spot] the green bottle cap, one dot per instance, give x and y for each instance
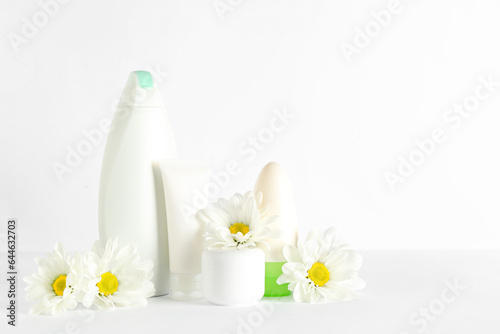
(145, 79)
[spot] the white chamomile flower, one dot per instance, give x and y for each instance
(55, 286)
(116, 277)
(236, 222)
(321, 269)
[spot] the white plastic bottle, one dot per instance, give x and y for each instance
(131, 196)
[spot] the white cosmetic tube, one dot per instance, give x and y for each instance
(182, 179)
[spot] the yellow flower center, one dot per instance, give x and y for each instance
(239, 227)
(108, 284)
(59, 285)
(318, 274)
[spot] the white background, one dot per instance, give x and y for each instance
(221, 79)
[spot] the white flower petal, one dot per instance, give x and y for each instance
(293, 268)
(299, 293)
(133, 276)
(39, 288)
(313, 235)
(292, 254)
(237, 209)
(330, 239)
(342, 263)
(282, 279)
(39, 308)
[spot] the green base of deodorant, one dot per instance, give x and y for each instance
(273, 289)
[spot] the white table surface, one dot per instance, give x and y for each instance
(400, 284)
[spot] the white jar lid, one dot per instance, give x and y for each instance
(232, 276)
